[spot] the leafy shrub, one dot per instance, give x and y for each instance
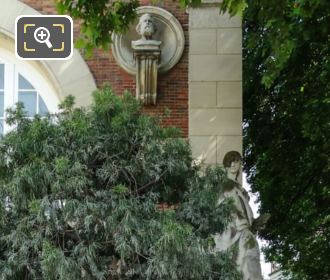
(82, 195)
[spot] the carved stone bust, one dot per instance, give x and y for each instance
(146, 28)
(154, 24)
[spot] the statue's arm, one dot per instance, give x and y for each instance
(260, 222)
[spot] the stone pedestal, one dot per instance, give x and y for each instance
(147, 57)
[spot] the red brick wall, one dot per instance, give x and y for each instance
(172, 86)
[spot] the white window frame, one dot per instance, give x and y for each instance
(14, 67)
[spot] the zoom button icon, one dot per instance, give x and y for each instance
(43, 37)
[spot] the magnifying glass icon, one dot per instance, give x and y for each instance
(41, 35)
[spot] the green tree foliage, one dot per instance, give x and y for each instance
(287, 131)
(106, 193)
(99, 20)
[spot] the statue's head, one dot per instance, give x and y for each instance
(232, 163)
(146, 26)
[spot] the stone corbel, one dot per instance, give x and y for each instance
(147, 62)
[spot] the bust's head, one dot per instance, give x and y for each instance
(232, 163)
(146, 26)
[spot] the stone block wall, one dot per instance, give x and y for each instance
(215, 83)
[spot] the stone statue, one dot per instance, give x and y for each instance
(146, 27)
(146, 52)
(239, 234)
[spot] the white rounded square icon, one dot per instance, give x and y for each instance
(43, 37)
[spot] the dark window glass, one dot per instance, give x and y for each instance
(2, 76)
(43, 110)
(2, 105)
(23, 83)
(29, 99)
(1, 127)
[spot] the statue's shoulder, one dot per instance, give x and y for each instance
(244, 192)
(230, 185)
(233, 186)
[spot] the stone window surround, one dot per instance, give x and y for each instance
(12, 69)
(68, 77)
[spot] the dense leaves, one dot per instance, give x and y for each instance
(287, 132)
(106, 193)
(99, 20)
(287, 128)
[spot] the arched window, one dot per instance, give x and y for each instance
(20, 81)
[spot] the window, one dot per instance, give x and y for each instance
(33, 102)
(2, 96)
(21, 82)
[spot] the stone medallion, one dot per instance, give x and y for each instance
(169, 32)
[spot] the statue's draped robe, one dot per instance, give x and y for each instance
(238, 233)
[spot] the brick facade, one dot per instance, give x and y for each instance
(172, 86)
